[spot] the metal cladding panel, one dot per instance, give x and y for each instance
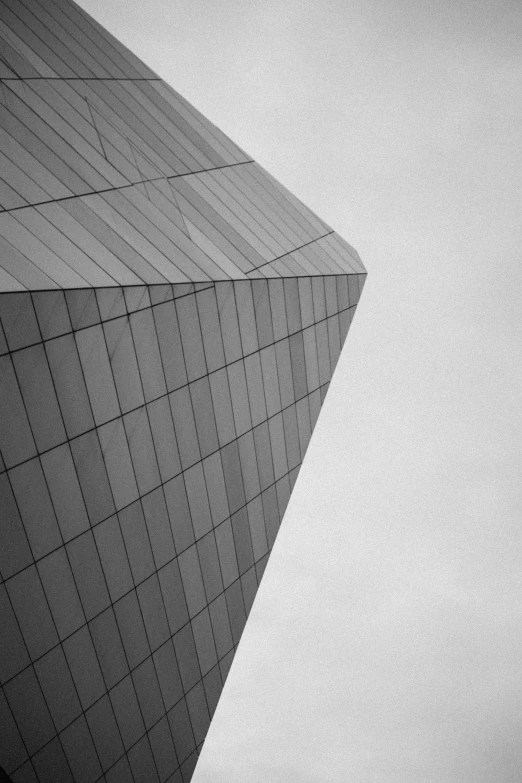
(170, 319)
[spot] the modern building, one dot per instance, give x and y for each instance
(171, 317)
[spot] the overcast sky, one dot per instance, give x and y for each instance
(385, 644)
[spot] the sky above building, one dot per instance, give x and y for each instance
(384, 644)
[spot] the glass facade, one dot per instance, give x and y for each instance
(170, 319)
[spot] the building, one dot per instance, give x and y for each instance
(170, 320)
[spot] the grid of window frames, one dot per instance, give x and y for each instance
(170, 318)
(150, 438)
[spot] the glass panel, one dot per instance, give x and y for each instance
(291, 437)
(187, 658)
(50, 760)
(221, 626)
(191, 336)
(15, 553)
(256, 521)
(278, 307)
(277, 438)
(105, 733)
(97, 373)
(127, 712)
(137, 541)
(93, 478)
(204, 640)
(142, 450)
(293, 311)
(284, 371)
(198, 500)
(263, 312)
(204, 416)
(210, 327)
(52, 313)
(118, 461)
(35, 507)
(319, 298)
(210, 568)
(58, 688)
(323, 352)
(247, 321)
(334, 340)
(16, 440)
(96, 239)
(310, 350)
(249, 588)
(132, 630)
(142, 763)
(271, 380)
(64, 601)
(185, 427)
(88, 574)
(168, 677)
(342, 292)
(29, 710)
(136, 298)
(245, 210)
(178, 508)
(215, 483)
(247, 456)
(173, 597)
(236, 610)
(164, 438)
(32, 612)
(84, 667)
(255, 388)
(229, 323)
(109, 647)
(158, 526)
(170, 345)
(113, 557)
(315, 406)
(265, 464)
(222, 402)
(153, 610)
(227, 553)
(65, 491)
(303, 423)
(199, 717)
(233, 476)
(297, 358)
(242, 540)
(182, 735)
(238, 389)
(192, 580)
(39, 397)
(271, 514)
(69, 382)
(124, 364)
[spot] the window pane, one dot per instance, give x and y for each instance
(124, 363)
(191, 336)
(70, 386)
(65, 491)
(118, 461)
(98, 374)
(39, 396)
(35, 506)
(170, 345)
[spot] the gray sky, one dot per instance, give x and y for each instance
(385, 642)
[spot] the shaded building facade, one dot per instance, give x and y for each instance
(170, 319)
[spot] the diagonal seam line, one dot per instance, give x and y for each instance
(289, 253)
(123, 187)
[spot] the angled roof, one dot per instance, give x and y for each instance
(110, 178)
